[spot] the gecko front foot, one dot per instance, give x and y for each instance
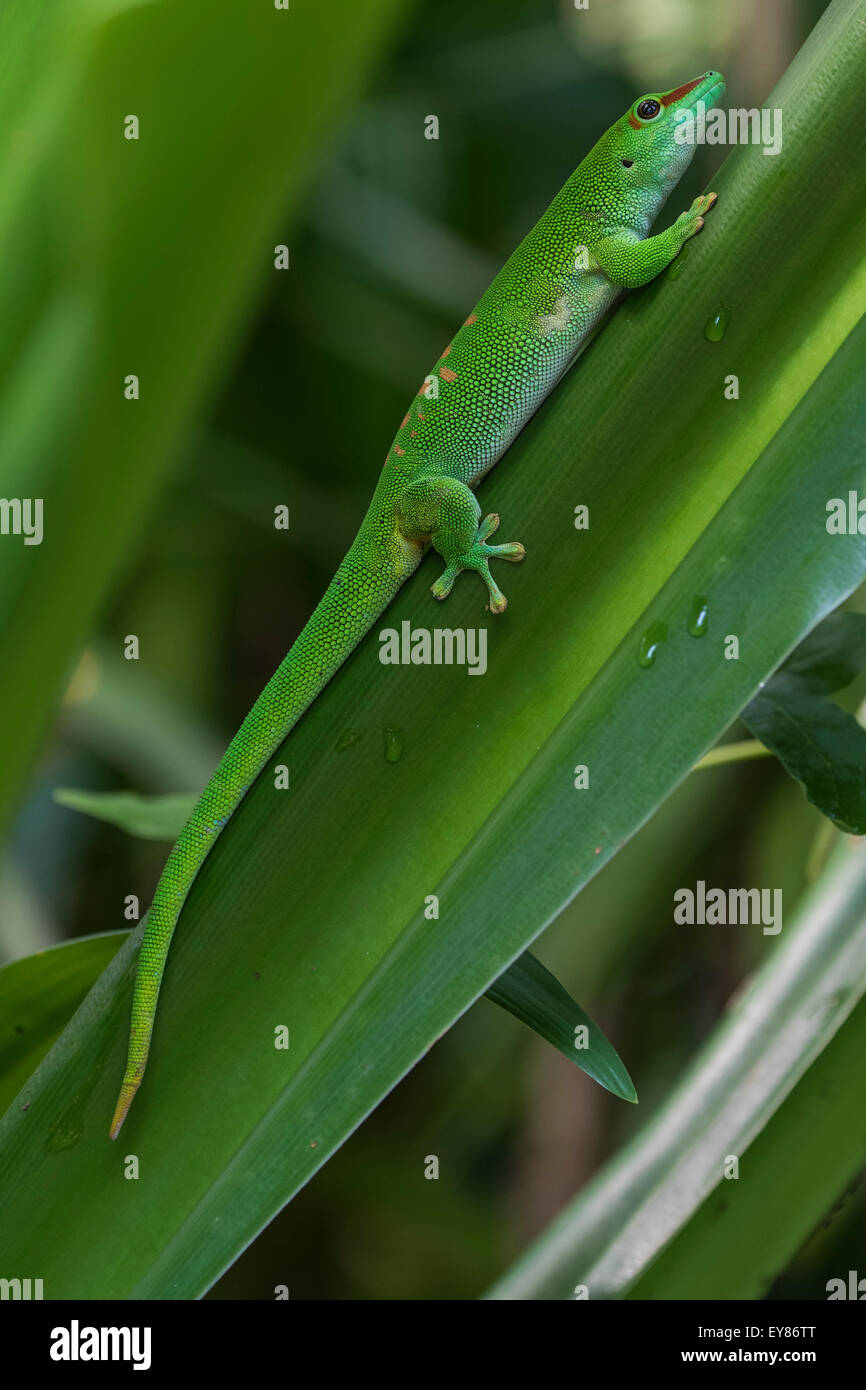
(477, 557)
(691, 222)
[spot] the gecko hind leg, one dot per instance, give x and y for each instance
(446, 511)
(478, 558)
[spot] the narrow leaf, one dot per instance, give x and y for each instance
(148, 817)
(531, 993)
(760, 1051)
(796, 1172)
(820, 745)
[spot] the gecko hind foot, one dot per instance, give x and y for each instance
(477, 558)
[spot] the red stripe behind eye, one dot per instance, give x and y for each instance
(633, 121)
(680, 92)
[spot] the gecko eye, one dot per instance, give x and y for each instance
(648, 109)
(627, 163)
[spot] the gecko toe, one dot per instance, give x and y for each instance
(512, 551)
(487, 527)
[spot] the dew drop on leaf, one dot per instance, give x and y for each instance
(717, 325)
(650, 642)
(394, 744)
(699, 616)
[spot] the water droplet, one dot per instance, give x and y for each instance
(650, 642)
(394, 744)
(716, 326)
(348, 738)
(677, 264)
(699, 616)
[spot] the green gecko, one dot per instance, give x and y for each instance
(539, 313)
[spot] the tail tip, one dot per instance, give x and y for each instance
(124, 1101)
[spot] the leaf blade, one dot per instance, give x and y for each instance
(820, 745)
(531, 993)
(147, 817)
(38, 996)
(654, 1191)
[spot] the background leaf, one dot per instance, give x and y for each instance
(804, 1163)
(763, 1080)
(38, 996)
(830, 657)
(150, 817)
(820, 745)
(100, 282)
(531, 993)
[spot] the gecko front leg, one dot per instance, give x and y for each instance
(630, 264)
(445, 511)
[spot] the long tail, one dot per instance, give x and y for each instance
(353, 601)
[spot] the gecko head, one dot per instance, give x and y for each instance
(652, 145)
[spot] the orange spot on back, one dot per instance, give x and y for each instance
(445, 351)
(447, 374)
(473, 318)
(405, 420)
(398, 450)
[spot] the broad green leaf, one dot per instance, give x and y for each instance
(310, 912)
(755, 1085)
(149, 817)
(39, 995)
(531, 993)
(527, 990)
